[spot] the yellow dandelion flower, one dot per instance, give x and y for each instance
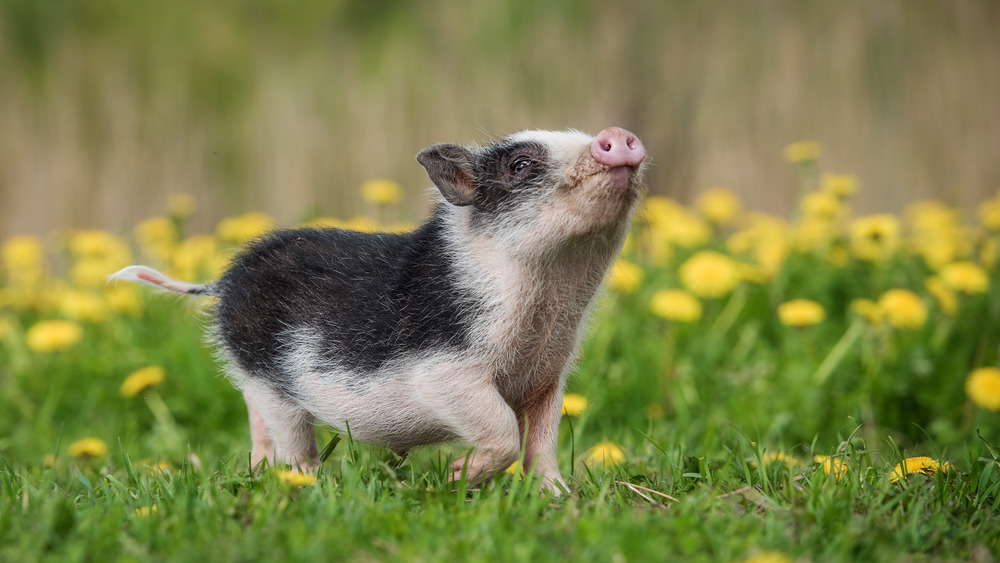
(768, 557)
(574, 404)
(672, 223)
(823, 205)
(989, 214)
(53, 336)
(381, 192)
(719, 205)
(676, 305)
(22, 258)
(157, 237)
(919, 464)
(967, 277)
(659, 210)
(363, 224)
(943, 294)
(936, 234)
(515, 469)
(765, 239)
(88, 448)
(243, 229)
(710, 274)
(751, 273)
(778, 457)
(741, 242)
(92, 273)
(80, 305)
(988, 252)
(832, 465)
(198, 257)
(802, 151)
(814, 233)
(24, 251)
(296, 478)
(625, 276)
(929, 215)
(90, 242)
(146, 511)
(605, 453)
(800, 312)
(938, 249)
(983, 387)
(25, 297)
(688, 231)
(869, 310)
(96, 254)
(159, 466)
(142, 379)
(875, 237)
(180, 204)
(840, 185)
(771, 254)
(903, 308)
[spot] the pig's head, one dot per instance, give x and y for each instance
(539, 190)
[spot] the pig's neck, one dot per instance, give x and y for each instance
(533, 308)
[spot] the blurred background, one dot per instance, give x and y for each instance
(107, 107)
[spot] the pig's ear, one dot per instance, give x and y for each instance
(450, 167)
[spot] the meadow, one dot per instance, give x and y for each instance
(802, 366)
(821, 386)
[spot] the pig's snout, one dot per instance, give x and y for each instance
(616, 147)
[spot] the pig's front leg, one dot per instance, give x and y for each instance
(541, 418)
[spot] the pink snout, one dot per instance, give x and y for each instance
(616, 147)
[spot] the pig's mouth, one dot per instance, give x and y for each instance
(620, 177)
(616, 179)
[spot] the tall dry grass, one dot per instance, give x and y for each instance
(106, 108)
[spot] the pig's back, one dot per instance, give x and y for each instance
(342, 300)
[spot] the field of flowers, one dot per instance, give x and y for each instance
(824, 386)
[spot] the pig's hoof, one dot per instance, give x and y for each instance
(304, 465)
(472, 473)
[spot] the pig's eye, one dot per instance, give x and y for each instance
(520, 164)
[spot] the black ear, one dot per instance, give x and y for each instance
(450, 167)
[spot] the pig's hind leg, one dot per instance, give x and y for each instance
(281, 432)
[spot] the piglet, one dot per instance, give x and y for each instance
(463, 330)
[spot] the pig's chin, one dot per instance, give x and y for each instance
(607, 199)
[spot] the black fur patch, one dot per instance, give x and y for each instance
(498, 183)
(371, 298)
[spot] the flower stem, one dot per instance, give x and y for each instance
(838, 352)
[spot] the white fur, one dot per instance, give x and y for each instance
(151, 277)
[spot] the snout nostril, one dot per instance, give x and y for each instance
(615, 147)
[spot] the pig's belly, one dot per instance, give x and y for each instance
(399, 408)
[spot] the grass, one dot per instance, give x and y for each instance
(723, 418)
(724, 510)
